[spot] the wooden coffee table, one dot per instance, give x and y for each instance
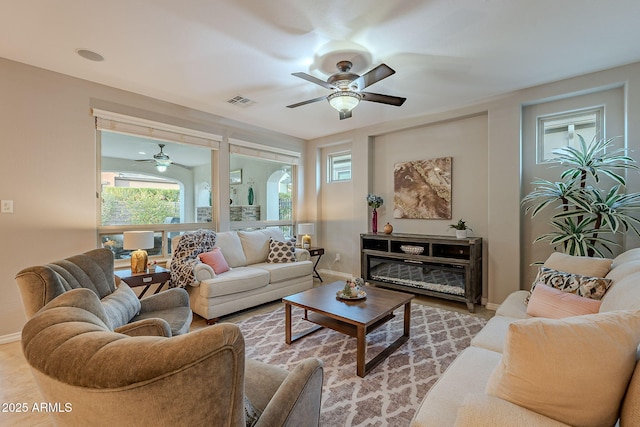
(355, 318)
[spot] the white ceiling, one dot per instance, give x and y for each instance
(200, 53)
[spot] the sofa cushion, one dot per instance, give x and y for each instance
(279, 272)
(623, 294)
(552, 303)
(584, 265)
(538, 372)
(281, 251)
(467, 374)
(480, 410)
(492, 336)
(216, 260)
(231, 247)
(514, 305)
(626, 256)
(236, 280)
(622, 270)
(630, 413)
(255, 245)
(121, 306)
(584, 286)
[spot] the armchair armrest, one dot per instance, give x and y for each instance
(147, 327)
(302, 254)
(175, 297)
(285, 398)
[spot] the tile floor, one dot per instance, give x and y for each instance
(18, 386)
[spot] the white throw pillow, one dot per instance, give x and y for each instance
(574, 370)
(583, 265)
(255, 245)
(229, 243)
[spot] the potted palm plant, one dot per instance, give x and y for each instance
(587, 209)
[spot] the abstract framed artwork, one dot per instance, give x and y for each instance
(422, 189)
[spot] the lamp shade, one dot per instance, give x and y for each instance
(344, 101)
(138, 240)
(306, 228)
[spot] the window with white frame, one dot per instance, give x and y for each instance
(562, 130)
(339, 165)
(152, 177)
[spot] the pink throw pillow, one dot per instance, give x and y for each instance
(552, 303)
(216, 260)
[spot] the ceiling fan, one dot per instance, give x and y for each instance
(161, 159)
(347, 88)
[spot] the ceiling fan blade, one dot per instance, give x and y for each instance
(345, 115)
(383, 99)
(146, 160)
(320, 98)
(372, 76)
(315, 80)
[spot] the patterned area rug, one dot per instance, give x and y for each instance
(391, 393)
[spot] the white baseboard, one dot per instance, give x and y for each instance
(6, 339)
(337, 274)
(492, 306)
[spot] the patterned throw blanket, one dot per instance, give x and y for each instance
(186, 254)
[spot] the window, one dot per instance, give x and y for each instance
(339, 165)
(152, 177)
(561, 130)
(262, 193)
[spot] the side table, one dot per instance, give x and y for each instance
(314, 251)
(161, 276)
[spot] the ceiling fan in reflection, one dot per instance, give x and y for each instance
(161, 159)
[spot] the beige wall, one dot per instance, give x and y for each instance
(496, 127)
(48, 166)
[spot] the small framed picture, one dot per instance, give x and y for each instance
(235, 177)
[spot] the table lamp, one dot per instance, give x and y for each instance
(306, 229)
(138, 241)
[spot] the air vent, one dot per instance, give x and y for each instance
(241, 101)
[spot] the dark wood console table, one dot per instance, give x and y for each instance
(160, 276)
(446, 267)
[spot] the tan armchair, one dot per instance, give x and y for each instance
(94, 270)
(103, 378)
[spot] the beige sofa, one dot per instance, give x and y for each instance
(252, 280)
(524, 371)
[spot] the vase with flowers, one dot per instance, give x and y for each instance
(374, 202)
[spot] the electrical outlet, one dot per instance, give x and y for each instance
(337, 257)
(6, 206)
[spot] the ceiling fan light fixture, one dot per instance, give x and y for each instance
(162, 164)
(344, 100)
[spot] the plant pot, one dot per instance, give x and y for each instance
(461, 234)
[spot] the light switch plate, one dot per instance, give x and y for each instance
(6, 206)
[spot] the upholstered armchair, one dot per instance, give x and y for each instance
(103, 378)
(94, 270)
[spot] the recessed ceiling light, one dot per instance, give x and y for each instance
(90, 55)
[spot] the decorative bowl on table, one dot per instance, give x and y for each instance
(412, 250)
(353, 295)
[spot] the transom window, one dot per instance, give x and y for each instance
(562, 130)
(339, 165)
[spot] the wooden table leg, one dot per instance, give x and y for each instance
(361, 351)
(287, 323)
(407, 319)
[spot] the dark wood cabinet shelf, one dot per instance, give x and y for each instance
(446, 267)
